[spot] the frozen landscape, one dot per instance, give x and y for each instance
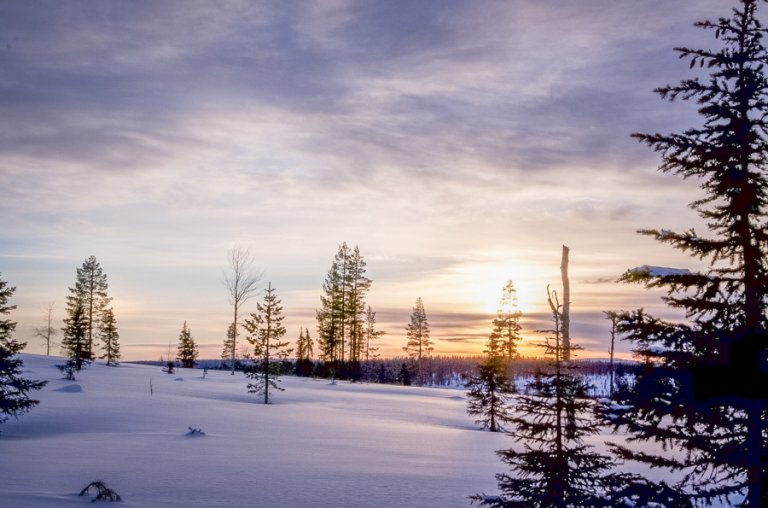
(323, 445)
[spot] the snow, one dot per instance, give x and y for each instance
(319, 444)
(660, 271)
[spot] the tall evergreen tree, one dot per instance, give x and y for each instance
(187, 349)
(371, 335)
(90, 293)
(506, 325)
(419, 346)
(554, 469)
(341, 318)
(329, 316)
(703, 389)
(15, 390)
(109, 337)
(266, 331)
(75, 342)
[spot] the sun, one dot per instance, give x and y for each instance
(483, 285)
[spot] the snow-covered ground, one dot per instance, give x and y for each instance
(318, 445)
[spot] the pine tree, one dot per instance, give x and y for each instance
(555, 469)
(419, 346)
(266, 329)
(75, 342)
(14, 389)
(506, 326)
(703, 388)
(304, 353)
(329, 316)
(109, 337)
(187, 350)
(341, 318)
(90, 293)
(371, 335)
(358, 286)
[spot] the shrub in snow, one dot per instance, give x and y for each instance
(195, 432)
(103, 493)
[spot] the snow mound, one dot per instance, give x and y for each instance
(660, 271)
(70, 389)
(179, 379)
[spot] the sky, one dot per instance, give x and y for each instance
(457, 143)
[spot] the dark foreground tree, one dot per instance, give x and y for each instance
(14, 389)
(489, 394)
(187, 350)
(266, 329)
(109, 336)
(704, 389)
(555, 468)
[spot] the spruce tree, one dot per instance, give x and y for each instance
(14, 389)
(226, 353)
(554, 468)
(419, 346)
(75, 341)
(187, 349)
(304, 353)
(489, 394)
(109, 337)
(90, 293)
(703, 388)
(266, 331)
(506, 325)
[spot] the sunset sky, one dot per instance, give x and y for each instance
(458, 143)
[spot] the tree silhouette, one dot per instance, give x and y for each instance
(703, 386)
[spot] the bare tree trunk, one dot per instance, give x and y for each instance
(241, 284)
(566, 312)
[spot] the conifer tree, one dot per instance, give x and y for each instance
(187, 349)
(90, 293)
(15, 390)
(419, 346)
(75, 342)
(109, 337)
(555, 469)
(304, 353)
(226, 353)
(506, 325)
(266, 331)
(489, 394)
(703, 388)
(371, 335)
(341, 318)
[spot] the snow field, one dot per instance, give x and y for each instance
(318, 445)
